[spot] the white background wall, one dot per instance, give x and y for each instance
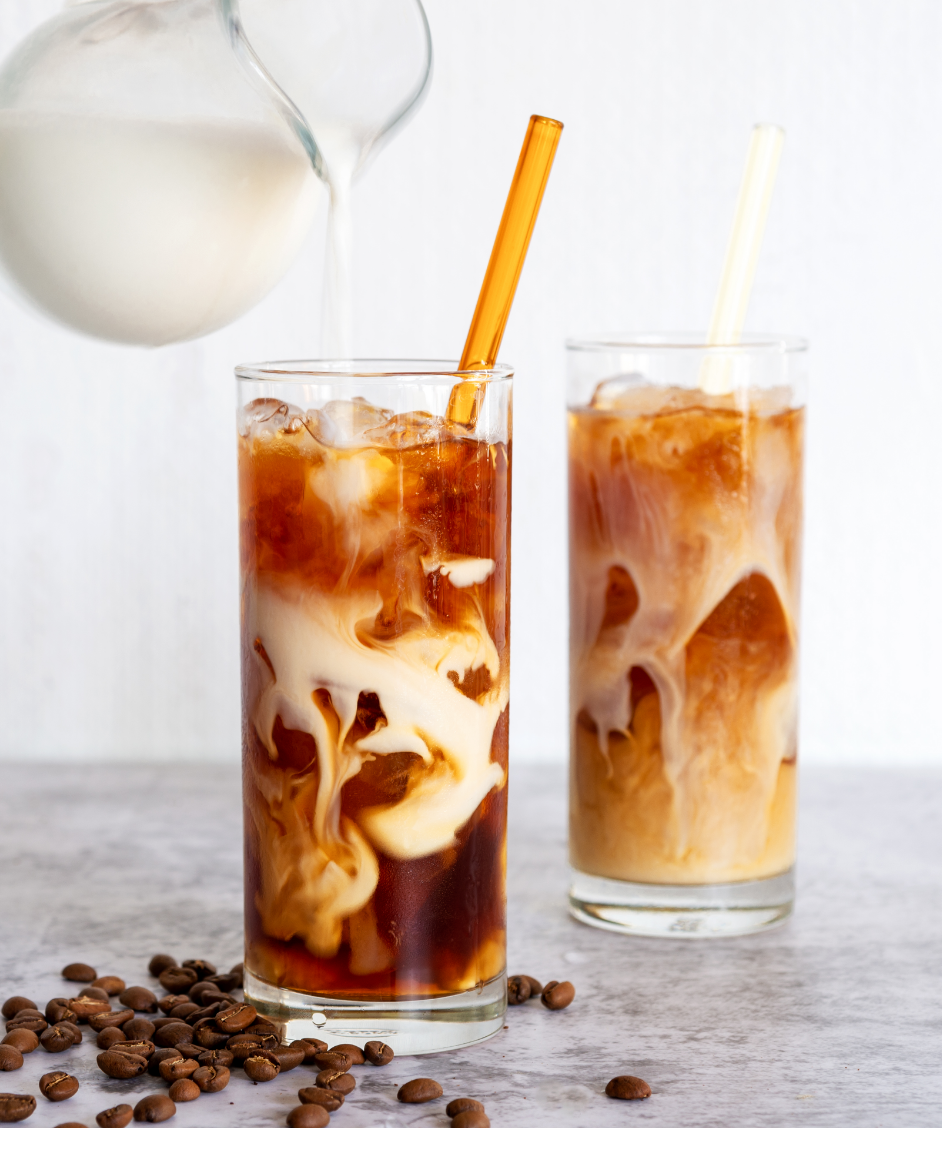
(118, 585)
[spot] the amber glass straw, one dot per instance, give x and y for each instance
(503, 270)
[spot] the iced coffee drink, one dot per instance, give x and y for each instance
(685, 548)
(375, 620)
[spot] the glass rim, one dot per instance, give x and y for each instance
(688, 341)
(318, 369)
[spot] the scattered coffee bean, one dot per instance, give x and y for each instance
(176, 979)
(159, 963)
(173, 1034)
(79, 972)
(57, 1010)
(139, 1028)
(109, 1036)
(121, 1066)
(225, 982)
(458, 1106)
(198, 989)
(352, 1052)
(557, 995)
(262, 1066)
(154, 1109)
(15, 1108)
(33, 1021)
(58, 1086)
(56, 1038)
(24, 1040)
(331, 1060)
(74, 1030)
(211, 1079)
(159, 1056)
(329, 1100)
(536, 988)
(70, 1124)
(208, 1037)
(471, 1119)
(111, 984)
(10, 1058)
(94, 992)
(238, 970)
(419, 1091)
(170, 1002)
(184, 1091)
(139, 998)
(220, 1058)
(139, 1046)
(118, 1116)
(172, 1069)
(202, 1014)
(14, 1005)
(83, 1008)
(199, 966)
(236, 1018)
(518, 990)
(308, 1115)
(111, 1018)
(378, 1053)
(311, 1047)
(336, 1080)
(626, 1086)
(190, 1049)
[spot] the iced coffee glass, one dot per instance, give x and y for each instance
(375, 563)
(685, 517)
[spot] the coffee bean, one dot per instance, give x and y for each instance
(211, 1079)
(378, 1053)
(14, 1005)
(154, 1109)
(557, 995)
(83, 1008)
(536, 988)
(70, 1124)
(198, 989)
(139, 1028)
(121, 1066)
(288, 1056)
(184, 1091)
(79, 972)
(220, 1058)
(139, 998)
(419, 1091)
(236, 1018)
(109, 1036)
(329, 1100)
(260, 1023)
(159, 1056)
(139, 1046)
(238, 970)
(170, 1003)
(172, 1069)
(28, 1020)
(111, 984)
(458, 1106)
(202, 1014)
(242, 1045)
(208, 1037)
(308, 1115)
(626, 1086)
(190, 1049)
(471, 1119)
(118, 1116)
(94, 992)
(352, 1052)
(268, 1039)
(199, 966)
(173, 1034)
(58, 1086)
(176, 979)
(311, 1047)
(111, 1018)
(262, 1066)
(56, 1039)
(336, 1080)
(72, 1029)
(328, 1060)
(10, 1058)
(24, 1040)
(57, 1010)
(15, 1108)
(518, 990)
(159, 963)
(225, 982)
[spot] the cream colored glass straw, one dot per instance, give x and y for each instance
(742, 253)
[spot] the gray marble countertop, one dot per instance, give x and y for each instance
(832, 1020)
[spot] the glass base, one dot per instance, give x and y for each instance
(682, 911)
(411, 1026)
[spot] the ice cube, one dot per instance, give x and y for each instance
(415, 428)
(610, 394)
(270, 414)
(342, 422)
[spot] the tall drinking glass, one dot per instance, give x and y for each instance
(685, 518)
(375, 556)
